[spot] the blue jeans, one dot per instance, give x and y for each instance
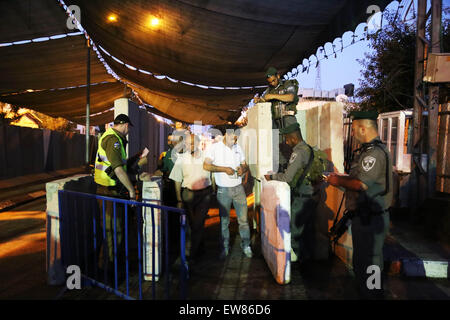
(225, 197)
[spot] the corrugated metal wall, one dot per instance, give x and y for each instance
(26, 151)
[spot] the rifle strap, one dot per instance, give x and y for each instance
(308, 166)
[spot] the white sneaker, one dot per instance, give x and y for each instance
(294, 257)
(248, 252)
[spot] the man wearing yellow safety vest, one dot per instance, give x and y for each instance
(111, 177)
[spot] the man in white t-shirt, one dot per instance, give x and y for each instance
(227, 161)
(193, 189)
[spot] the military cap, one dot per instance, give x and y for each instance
(359, 115)
(290, 128)
(271, 72)
(122, 118)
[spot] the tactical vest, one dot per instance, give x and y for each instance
(312, 173)
(102, 163)
(378, 144)
(280, 107)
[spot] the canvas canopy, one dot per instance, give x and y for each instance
(204, 60)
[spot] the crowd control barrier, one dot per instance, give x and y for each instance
(83, 237)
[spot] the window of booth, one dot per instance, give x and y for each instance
(394, 137)
(384, 130)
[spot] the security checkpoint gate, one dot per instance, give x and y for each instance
(83, 234)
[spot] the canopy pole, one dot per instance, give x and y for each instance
(88, 87)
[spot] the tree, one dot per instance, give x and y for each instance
(8, 113)
(388, 71)
(55, 124)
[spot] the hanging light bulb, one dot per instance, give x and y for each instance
(154, 22)
(112, 18)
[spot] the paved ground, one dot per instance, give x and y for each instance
(23, 275)
(22, 253)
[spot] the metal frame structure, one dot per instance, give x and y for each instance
(425, 180)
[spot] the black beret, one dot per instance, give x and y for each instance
(122, 118)
(290, 128)
(359, 115)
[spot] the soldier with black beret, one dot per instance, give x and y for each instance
(303, 204)
(368, 198)
(113, 179)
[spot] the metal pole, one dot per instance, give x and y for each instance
(433, 102)
(88, 98)
(418, 108)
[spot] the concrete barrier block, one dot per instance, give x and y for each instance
(55, 273)
(275, 229)
(151, 193)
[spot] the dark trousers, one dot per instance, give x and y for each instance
(302, 226)
(169, 199)
(197, 205)
(368, 240)
(112, 226)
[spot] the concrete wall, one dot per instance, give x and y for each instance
(321, 123)
(323, 127)
(256, 140)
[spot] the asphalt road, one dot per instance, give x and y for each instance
(22, 253)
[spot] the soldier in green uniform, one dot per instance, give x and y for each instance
(368, 198)
(166, 160)
(303, 204)
(163, 154)
(283, 96)
(113, 179)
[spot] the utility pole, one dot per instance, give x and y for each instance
(88, 99)
(418, 105)
(433, 98)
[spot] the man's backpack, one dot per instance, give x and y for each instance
(313, 171)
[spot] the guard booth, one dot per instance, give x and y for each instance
(395, 130)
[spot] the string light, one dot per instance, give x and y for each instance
(159, 77)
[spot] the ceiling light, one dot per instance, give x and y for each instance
(112, 18)
(154, 22)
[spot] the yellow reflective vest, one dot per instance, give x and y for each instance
(102, 163)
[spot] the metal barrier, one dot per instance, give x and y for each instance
(81, 241)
